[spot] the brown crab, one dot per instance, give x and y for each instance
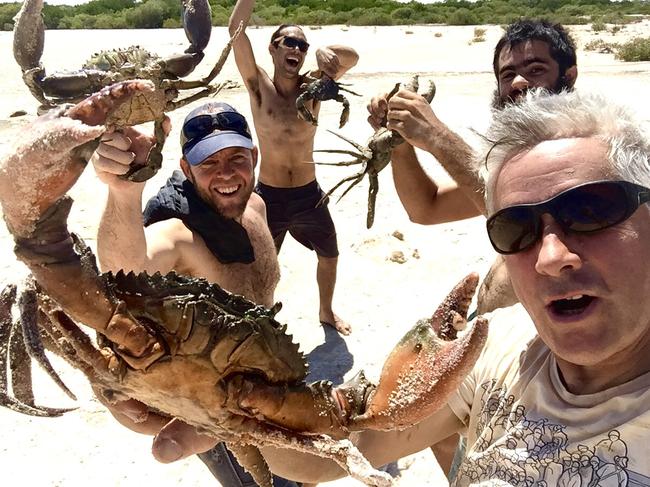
(374, 157)
(108, 67)
(322, 89)
(183, 346)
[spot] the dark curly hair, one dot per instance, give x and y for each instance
(561, 46)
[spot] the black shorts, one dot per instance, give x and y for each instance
(294, 210)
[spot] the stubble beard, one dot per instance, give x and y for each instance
(234, 209)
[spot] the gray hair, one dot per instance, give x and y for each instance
(543, 116)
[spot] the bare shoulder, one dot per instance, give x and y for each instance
(256, 205)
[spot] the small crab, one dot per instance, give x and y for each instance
(322, 89)
(375, 156)
(108, 67)
(183, 346)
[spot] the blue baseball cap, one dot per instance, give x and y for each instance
(212, 127)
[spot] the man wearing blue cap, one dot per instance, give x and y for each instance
(206, 221)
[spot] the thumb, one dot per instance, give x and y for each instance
(178, 440)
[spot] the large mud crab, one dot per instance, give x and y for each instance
(374, 157)
(187, 348)
(322, 89)
(108, 67)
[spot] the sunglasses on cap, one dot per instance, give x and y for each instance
(293, 42)
(202, 125)
(586, 208)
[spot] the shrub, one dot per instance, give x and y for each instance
(600, 45)
(637, 49)
(598, 26)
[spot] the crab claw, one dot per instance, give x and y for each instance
(196, 17)
(427, 365)
(303, 111)
(53, 153)
(48, 159)
(29, 34)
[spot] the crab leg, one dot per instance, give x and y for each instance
(33, 183)
(28, 304)
(372, 198)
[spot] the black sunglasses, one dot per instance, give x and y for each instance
(198, 127)
(293, 42)
(586, 208)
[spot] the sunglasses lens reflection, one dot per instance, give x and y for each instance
(292, 43)
(584, 209)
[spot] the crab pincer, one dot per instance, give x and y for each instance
(33, 184)
(425, 367)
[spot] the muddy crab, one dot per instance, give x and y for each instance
(108, 67)
(183, 346)
(322, 89)
(374, 157)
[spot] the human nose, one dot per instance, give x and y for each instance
(555, 255)
(519, 83)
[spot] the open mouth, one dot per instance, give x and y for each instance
(573, 306)
(228, 190)
(293, 61)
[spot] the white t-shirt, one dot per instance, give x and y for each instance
(524, 428)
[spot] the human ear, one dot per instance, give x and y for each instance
(254, 154)
(571, 74)
(185, 167)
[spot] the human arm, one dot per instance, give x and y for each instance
(242, 49)
(336, 60)
(379, 447)
(121, 239)
(413, 118)
(424, 200)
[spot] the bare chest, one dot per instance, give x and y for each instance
(256, 281)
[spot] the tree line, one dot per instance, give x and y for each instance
(154, 14)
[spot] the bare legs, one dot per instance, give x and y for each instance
(326, 278)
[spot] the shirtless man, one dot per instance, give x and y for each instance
(531, 54)
(286, 183)
(205, 222)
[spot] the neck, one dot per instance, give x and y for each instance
(615, 370)
(286, 86)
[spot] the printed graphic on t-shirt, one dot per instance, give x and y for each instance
(513, 449)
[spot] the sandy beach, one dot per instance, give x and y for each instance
(380, 297)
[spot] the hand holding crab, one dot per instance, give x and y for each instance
(377, 154)
(108, 67)
(322, 89)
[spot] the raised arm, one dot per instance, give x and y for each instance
(424, 201)
(412, 116)
(121, 239)
(336, 60)
(244, 57)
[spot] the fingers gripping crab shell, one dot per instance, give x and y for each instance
(186, 347)
(107, 67)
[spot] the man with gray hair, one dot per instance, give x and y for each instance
(568, 179)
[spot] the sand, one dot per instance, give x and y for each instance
(380, 297)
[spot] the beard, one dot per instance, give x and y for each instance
(230, 207)
(499, 102)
